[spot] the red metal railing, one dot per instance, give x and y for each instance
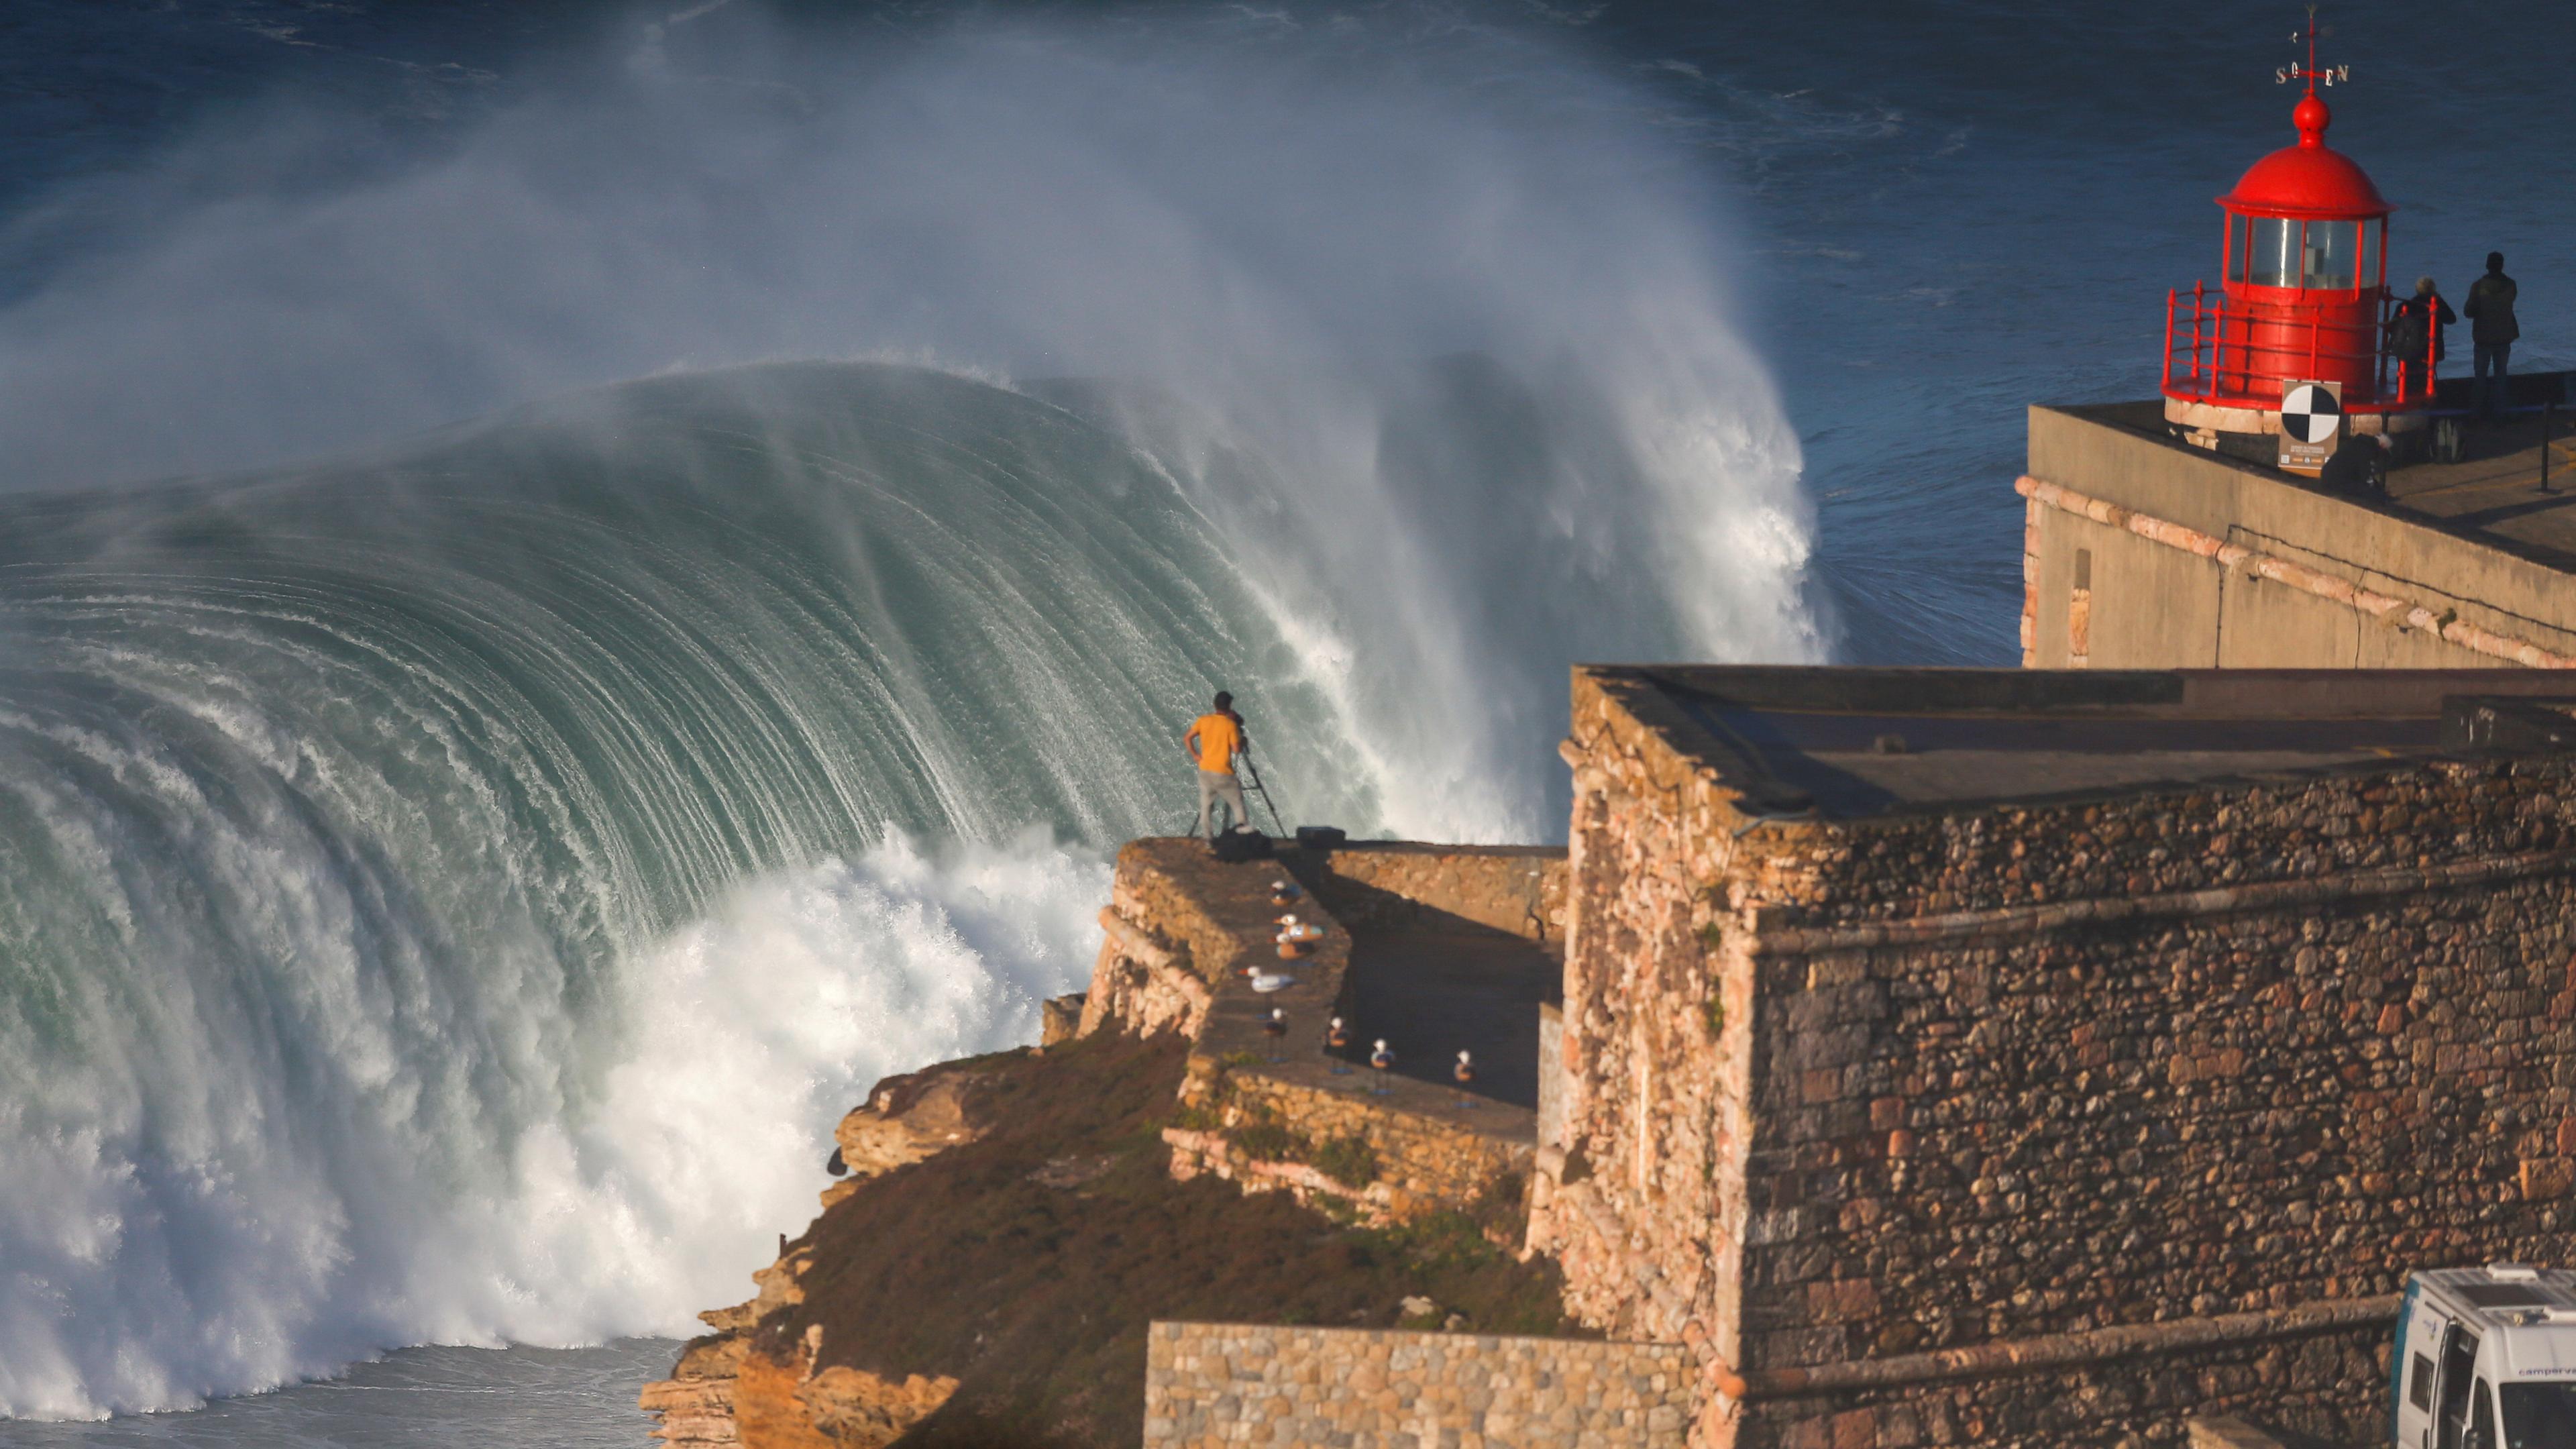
(2231, 357)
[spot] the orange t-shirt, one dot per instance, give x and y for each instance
(1219, 740)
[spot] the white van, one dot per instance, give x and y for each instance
(2482, 1351)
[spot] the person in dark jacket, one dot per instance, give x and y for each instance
(2492, 329)
(2415, 338)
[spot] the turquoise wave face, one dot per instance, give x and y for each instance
(350, 815)
(627, 648)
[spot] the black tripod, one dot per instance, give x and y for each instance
(1260, 789)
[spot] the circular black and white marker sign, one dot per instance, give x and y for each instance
(2310, 414)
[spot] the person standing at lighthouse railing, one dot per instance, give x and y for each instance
(2493, 331)
(2415, 339)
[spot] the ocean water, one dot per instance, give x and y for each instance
(413, 1398)
(577, 582)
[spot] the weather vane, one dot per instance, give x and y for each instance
(2284, 74)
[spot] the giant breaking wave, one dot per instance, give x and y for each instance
(447, 892)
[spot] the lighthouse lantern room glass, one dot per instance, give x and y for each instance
(2280, 251)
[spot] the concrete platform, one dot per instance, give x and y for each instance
(2142, 551)
(1445, 985)
(2491, 495)
(1439, 976)
(2493, 492)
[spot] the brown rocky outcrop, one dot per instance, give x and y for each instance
(1144, 983)
(908, 1118)
(694, 1406)
(1060, 1018)
(721, 1389)
(700, 1403)
(791, 1405)
(725, 1390)
(1001, 1292)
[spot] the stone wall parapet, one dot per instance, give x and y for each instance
(2006, 922)
(1417, 1162)
(1212, 1384)
(1515, 888)
(2428, 814)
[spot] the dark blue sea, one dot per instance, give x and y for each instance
(579, 581)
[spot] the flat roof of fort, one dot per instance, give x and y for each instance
(1854, 743)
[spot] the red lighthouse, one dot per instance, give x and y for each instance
(2304, 297)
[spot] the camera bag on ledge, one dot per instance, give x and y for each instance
(1240, 845)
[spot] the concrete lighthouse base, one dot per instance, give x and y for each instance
(2202, 423)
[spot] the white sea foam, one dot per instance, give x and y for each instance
(155, 1256)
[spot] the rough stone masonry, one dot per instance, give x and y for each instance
(1213, 1384)
(2048, 1120)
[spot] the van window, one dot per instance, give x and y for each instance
(2540, 1416)
(2419, 1382)
(2459, 1356)
(2483, 1436)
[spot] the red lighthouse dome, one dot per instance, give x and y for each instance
(2303, 295)
(2310, 180)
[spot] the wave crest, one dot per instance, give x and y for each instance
(424, 873)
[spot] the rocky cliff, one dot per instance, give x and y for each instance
(999, 1289)
(1012, 1225)
(1016, 1223)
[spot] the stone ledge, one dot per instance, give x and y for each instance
(2067, 1350)
(2011, 921)
(1208, 1384)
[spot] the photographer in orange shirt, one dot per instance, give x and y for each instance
(1213, 743)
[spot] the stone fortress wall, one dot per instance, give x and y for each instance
(2052, 1123)
(1210, 1384)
